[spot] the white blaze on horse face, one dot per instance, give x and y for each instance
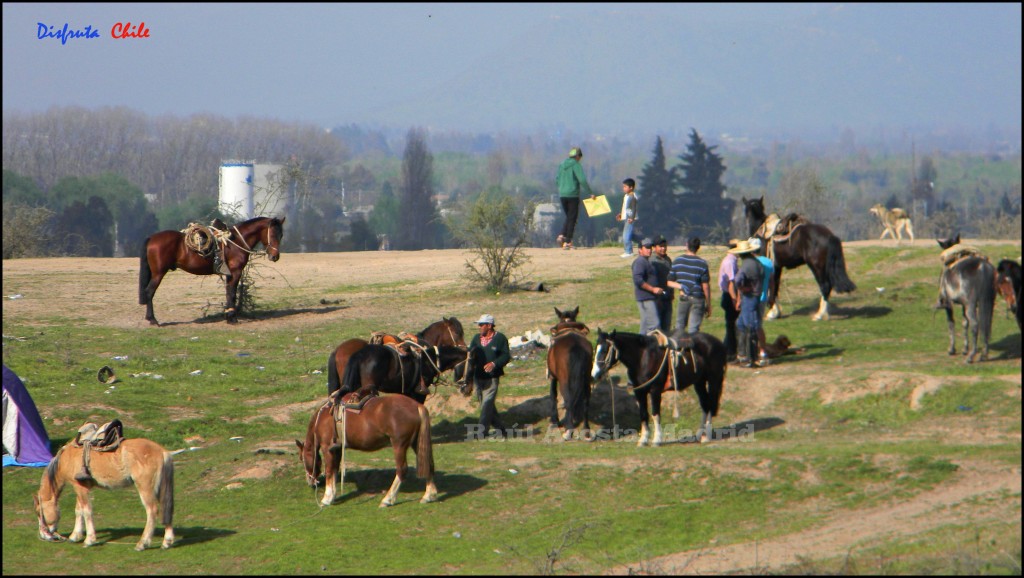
(596, 370)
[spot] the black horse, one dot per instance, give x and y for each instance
(793, 242)
(381, 368)
(1008, 283)
(967, 279)
(654, 368)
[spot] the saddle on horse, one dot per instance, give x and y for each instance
(105, 438)
(564, 327)
(405, 344)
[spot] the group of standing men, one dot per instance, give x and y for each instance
(743, 277)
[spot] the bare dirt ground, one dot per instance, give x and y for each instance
(340, 286)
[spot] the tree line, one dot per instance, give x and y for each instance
(96, 182)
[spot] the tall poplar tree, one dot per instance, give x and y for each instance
(418, 216)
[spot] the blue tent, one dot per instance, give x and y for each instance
(25, 439)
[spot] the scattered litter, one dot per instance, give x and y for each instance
(196, 372)
(456, 534)
(15, 296)
(298, 340)
(260, 367)
(236, 438)
(964, 408)
(879, 289)
(513, 471)
(120, 357)
(14, 337)
(193, 339)
(243, 354)
(497, 551)
(317, 372)
(275, 529)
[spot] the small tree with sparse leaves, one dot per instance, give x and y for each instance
(495, 230)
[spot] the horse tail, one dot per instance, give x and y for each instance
(835, 267)
(424, 446)
(166, 490)
(145, 274)
(579, 384)
(350, 380)
(333, 384)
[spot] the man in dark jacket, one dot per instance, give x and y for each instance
(490, 353)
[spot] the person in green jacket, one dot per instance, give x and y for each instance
(571, 181)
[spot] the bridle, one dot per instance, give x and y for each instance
(613, 355)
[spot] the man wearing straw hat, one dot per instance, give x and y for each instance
(749, 282)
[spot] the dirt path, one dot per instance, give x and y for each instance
(845, 531)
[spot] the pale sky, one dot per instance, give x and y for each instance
(476, 67)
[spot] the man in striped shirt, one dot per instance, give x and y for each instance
(691, 276)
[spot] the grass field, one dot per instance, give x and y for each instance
(873, 452)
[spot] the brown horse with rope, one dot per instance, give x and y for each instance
(169, 250)
(394, 420)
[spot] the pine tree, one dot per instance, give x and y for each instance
(658, 205)
(706, 213)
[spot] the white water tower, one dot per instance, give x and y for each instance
(236, 189)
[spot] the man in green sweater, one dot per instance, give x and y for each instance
(571, 181)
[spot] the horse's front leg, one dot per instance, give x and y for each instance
(230, 307)
(332, 475)
(83, 510)
(656, 413)
(641, 399)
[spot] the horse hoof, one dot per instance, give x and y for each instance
(386, 504)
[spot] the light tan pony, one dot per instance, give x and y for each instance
(895, 222)
(136, 461)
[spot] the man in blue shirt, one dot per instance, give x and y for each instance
(691, 276)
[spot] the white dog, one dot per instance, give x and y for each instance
(894, 221)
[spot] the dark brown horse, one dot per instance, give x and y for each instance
(794, 242)
(382, 368)
(654, 368)
(393, 420)
(167, 250)
(967, 279)
(448, 331)
(1008, 283)
(568, 363)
